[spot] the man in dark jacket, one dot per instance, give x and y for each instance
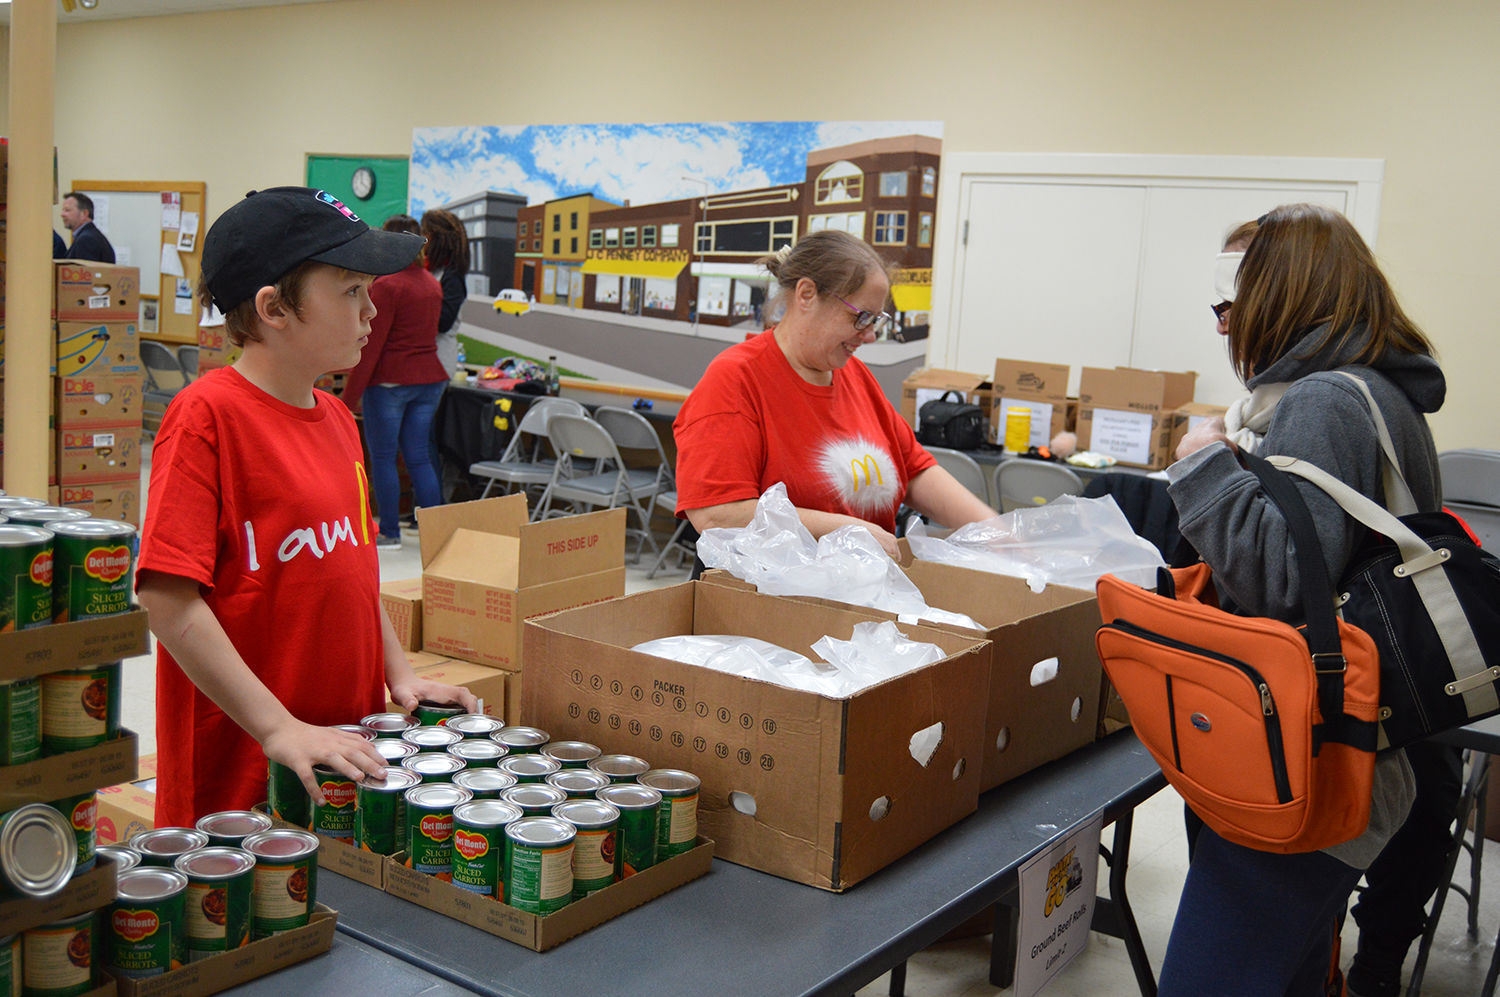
(88, 242)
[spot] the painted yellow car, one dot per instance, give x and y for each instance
(512, 302)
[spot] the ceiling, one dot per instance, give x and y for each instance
(117, 9)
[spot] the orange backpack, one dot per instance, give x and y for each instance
(1266, 730)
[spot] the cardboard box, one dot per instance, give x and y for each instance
(1041, 388)
(119, 500)
(485, 570)
(96, 292)
(85, 891)
(542, 933)
(837, 791)
(403, 604)
(221, 972)
(95, 453)
(488, 684)
(929, 384)
(72, 645)
(214, 348)
(1127, 413)
(99, 399)
(126, 810)
(1188, 418)
(97, 348)
(70, 774)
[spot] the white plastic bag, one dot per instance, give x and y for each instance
(1069, 541)
(779, 556)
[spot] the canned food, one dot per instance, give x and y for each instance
(10, 966)
(620, 768)
(57, 959)
(44, 515)
(529, 768)
(229, 828)
(432, 738)
(20, 720)
(38, 850)
(286, 797)
(485, 784)
(286, 879)
(540, 877)
(80, 708)
(433, 766)
(143, 933)
(479, 846)
(478, 752)
(161, 846)
(334, 817)
(220, 894)
(429, 827)
(430, 714)
(9, 504)
(534, 799)
(91, 568)
(594, 865)
(677, 821)
(521, 740)
(25, 577)
(380, 812)
(384, 725)
(81, 812)
(472, 725)
(357, 730)
(393, 750)
(571, 754)
(123, 856)
(579, 784)
(635, 837)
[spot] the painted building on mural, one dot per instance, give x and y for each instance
(557, 233)
(489, 218)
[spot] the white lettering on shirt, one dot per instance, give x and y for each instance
(342, 530)
(294, 543)
(250, 545)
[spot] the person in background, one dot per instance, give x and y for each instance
(447, 255)
(88, 242)
(795, 405)
(257, 562)
(398, 381)
(1310, 302)
(59, 248)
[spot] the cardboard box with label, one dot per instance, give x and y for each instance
(1127, 413)
(930, 384)
(1188, 418)
(489, 685)
(125, 810)
(96, 292)
(402, 600)
(1040, 388)
(97, 348)
(99, 399)
(119, 500)
(818, 790)
(214, 348)
(93, 453)
(485, 570)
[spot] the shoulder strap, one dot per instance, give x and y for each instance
(1398, 495)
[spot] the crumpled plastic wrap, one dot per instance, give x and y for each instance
(874, 652)
(1069, 541)
(779, 556)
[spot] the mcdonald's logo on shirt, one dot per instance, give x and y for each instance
(862, 474)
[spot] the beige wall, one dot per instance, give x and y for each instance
(237, 98)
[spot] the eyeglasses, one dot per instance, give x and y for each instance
(880, 322)
(1221, 310)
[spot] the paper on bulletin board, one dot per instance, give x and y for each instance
(1041, 419)
(1125, 436)
(1058, 890)
(171, 263)
(171, 210)
(182, 301)
(187, 235)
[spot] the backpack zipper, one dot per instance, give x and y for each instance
(1274, 745)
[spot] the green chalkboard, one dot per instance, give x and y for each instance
(387, 197)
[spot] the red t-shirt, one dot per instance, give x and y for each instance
(753, 421)
(266, 506)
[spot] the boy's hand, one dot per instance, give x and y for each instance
(407, 694)
(300, 746)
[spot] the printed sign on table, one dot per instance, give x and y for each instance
(1059, 887)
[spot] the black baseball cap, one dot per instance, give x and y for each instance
(268, 234)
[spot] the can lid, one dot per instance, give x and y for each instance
(168, 841)
(433, 763)
(571, 751)
(87, 526)
(432, 737)
(234, 823)
(11, 502)
(215, 862)
(281, 843)
(478, 749)
(540, 831)
(484, 780)
(473, 724)
(146, 883)
(534, 794)
(387, 722)
(620, 765)
(395, 781)
(487, 813)
(393, 750)
(586, 813)
(121, 855)
(629, 796)
(356, 730)
(438, 794)
(15, 535)
(38, 849)
(670, 782)
(532, 765)
(578, 780)
(522, 737)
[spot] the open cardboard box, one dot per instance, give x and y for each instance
(85, 892)
(72, 645)
(58, 776)
(402, 600)
(489, 685)
(1188, 418)
(832, 787)
(930, 383)
(1127, 413)
(230, 969)
(1041, 388)
(485, 570)
(537, 932)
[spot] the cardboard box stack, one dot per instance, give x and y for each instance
(214, 348)
(1129, 413)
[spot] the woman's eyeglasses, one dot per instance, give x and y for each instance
(882, 323)
(1221, 310)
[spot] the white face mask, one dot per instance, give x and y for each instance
(1226, 270)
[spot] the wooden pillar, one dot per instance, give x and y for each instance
(28, 263)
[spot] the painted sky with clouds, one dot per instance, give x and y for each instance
(641, 162)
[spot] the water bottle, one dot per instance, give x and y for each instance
(554, 386)
(460, 372)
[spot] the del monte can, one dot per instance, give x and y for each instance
(143, 933)
(91, 568)
(220, 894)
(25, 577)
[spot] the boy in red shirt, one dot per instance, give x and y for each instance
(258, 563)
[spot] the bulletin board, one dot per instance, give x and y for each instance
(144, 218)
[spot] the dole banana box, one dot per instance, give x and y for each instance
(97, 348)
(98, 398)
(96, 292)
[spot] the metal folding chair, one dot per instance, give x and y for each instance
(525, 462)
(164, 378)
(1022, 483)
(187, 359)
(966, 469)
(681, 543)
(606, 482)
(1471, 489)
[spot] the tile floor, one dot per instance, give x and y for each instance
(1158, 863)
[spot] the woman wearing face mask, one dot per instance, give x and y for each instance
(795, 405)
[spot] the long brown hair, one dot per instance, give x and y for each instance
(447, 242)
(1307, 266)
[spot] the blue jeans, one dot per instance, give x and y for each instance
(1254, 924)
(400, 417)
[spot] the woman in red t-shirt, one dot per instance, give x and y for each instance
(795, 405)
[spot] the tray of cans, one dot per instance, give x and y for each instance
(529, 839)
